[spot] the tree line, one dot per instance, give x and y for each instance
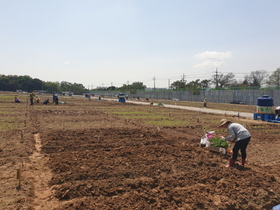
(132, 87)
(28, 84)
(256, 79)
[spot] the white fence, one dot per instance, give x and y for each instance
(216, 96)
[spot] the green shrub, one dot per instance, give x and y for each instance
(217, 142)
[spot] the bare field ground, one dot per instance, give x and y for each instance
(84, 154)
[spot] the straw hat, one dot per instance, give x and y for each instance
(224, 121)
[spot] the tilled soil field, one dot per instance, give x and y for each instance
(109, 155)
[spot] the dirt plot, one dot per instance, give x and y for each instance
(110, 155)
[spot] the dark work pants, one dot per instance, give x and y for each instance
(277, 113)
(240, 145)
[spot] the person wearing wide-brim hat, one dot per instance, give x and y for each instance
(238, 134)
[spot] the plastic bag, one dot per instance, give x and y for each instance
(210, 135)
(205, 142)
(205, 139)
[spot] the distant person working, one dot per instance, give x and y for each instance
(17, 100)
(277, 112)
(47, 101)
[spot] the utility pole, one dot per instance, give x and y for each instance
(168, 83)
(183, 79)
(217, 83)
(154, 78)
(216, 78)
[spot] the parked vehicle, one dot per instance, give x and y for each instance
(237, 102)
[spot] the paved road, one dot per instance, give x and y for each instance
(206, 110)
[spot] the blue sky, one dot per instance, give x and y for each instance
(116, 42)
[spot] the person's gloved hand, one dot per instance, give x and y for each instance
(223, 138)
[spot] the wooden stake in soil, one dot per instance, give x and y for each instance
(22, 132)
(24, 123)
(19, 178)
(158, 129)
(221, 155)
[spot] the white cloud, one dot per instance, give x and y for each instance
(212, 59)
(67, 63)
(214, 55)
(209, 64)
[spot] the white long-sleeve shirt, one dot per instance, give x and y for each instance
(237, 132)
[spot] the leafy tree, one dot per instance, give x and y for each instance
(77, 88)
(179, 84)
(4, 82)
(138, 86)
(37, 84)
(245, 82)
(194, 87)
(134, 86)
(51, 87)
(257, 78)
(223, 80)
(205, 83)
(124, 87)
(239, 84)
(111, 88)
(13, 84)
(274, 79)
(25, 83)
(65, 86)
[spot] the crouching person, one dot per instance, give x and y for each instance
(47, 101)
(240, 136)
(277, 112)
(17, 100)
